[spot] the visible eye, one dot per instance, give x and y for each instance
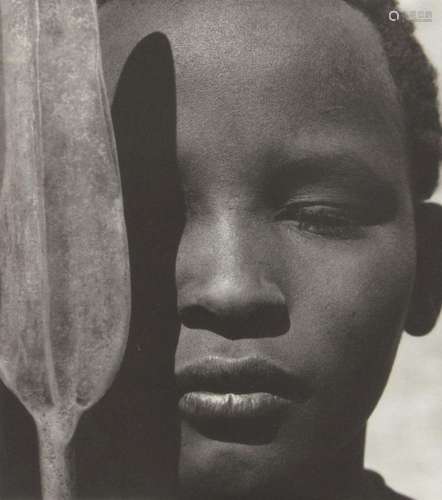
(326, 220)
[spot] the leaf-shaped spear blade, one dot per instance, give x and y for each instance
(64, 268)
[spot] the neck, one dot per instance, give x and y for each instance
(339, 478)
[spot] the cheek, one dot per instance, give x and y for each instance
(348, 301)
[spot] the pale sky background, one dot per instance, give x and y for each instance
(405, 432)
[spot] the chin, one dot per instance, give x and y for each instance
(219, 460)
(229, 469)
(221, 470)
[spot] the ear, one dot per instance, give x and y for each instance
(426, 300)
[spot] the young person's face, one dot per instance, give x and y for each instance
(298, 250)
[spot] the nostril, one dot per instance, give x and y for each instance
(272, 320)
(196, 317)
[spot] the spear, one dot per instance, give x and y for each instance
(64, 267)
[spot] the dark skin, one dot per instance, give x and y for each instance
(299, 208)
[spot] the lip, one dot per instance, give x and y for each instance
(208, 405)
(246, 388)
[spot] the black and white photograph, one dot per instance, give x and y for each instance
(220, 250)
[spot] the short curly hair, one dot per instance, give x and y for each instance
(415, 79)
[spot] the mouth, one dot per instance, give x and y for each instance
(235, 389)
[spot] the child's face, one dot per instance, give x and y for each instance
(299, 243)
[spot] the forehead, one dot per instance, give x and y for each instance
(265, 72)
(249, 37)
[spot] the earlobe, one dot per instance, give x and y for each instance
(426, 300)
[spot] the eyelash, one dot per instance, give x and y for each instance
(328, 221)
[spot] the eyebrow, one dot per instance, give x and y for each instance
(345, 171)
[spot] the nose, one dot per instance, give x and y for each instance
(224, 285)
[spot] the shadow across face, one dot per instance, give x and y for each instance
(132, 432)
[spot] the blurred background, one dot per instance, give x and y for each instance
(405, 431)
